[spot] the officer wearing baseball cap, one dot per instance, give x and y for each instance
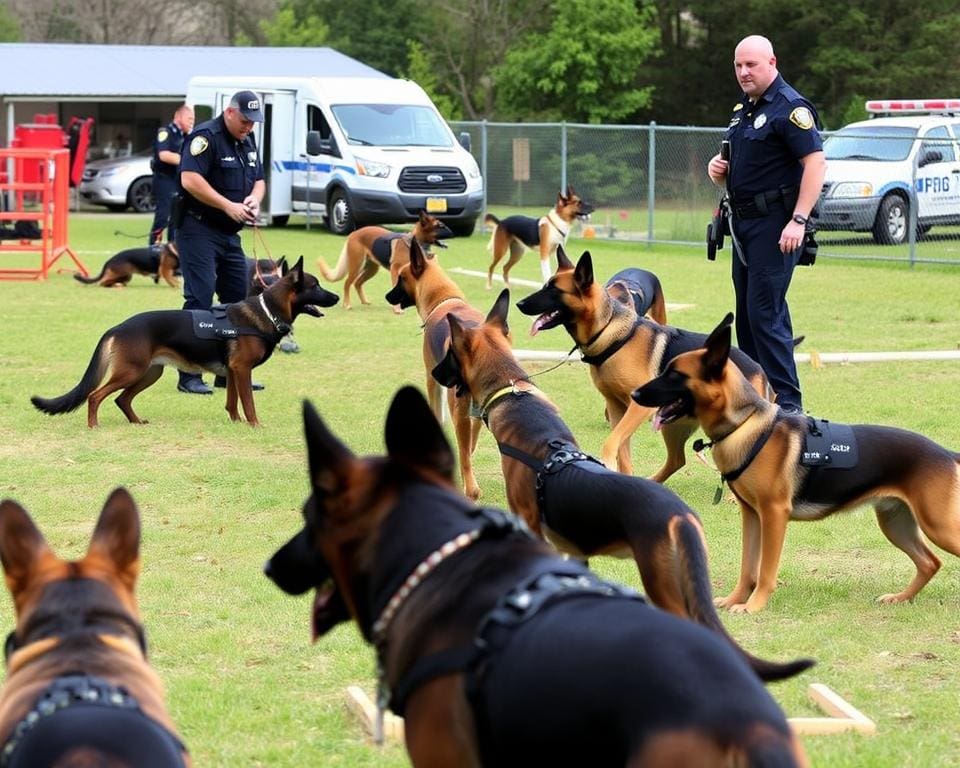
(222, 185)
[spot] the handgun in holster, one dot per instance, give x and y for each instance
(178, 209)
(717, 228)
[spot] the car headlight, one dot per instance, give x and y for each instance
(853, 189)
(109, 172)
(474, 170)
(372, 168)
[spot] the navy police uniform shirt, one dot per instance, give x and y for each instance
(168, 139)
(768, 138)
(231, 167)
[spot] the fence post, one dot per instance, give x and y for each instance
(563, 156)
(913, 209)
(651, 178)
(483, 160)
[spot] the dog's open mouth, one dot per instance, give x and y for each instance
(670, 412)
(328, 609)
(546, 321)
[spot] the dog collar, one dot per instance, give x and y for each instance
(282, 328)
(482, 412)
(559, 224)
(601, 358)
(438, 305)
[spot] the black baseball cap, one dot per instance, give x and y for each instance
(249, 105)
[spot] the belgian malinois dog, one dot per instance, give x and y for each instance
(497, 652)
(569, 497)
(231, 343)
(624, 351)
(423, 283)
(517, 233)
(785, 467)
(369, 248)
(79, 690)
(154, 261)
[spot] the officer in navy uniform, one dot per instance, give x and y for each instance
(221, 180)
(774, 177)
(167, 146)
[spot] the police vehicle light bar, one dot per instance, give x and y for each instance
(904, 106)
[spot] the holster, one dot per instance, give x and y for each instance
(178, 209)
(718, 227)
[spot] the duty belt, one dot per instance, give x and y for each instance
(757, 206)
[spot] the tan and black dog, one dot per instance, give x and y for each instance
(423, 283)
(369, 248)
(570, 498)
(517, 233)
(624, 351)
(496, 651)
(154, 261)
(230, 342)
(791, 467)
(79, 690)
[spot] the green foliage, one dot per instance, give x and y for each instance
(292, 29)
(422, 70)
(583, 68)
(9, 28)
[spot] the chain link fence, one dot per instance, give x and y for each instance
(649, 183)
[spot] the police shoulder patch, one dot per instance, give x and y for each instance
(198, 145)
(802, 118)
(738, 106)
(162, 134)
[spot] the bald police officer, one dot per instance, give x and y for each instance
(774, 177)
(167, 145)
(221, 180)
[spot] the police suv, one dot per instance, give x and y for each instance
(878, 169)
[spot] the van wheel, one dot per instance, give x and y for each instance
(340, 219)
(893, 216)
(280, 221)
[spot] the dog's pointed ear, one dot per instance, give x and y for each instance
(116, 537)
(583, 276)
(424, 219)
(418, 261)
(497, 316)
(327, 457)
(570, 193)
(21, 545)
(413, 435)
(718, 349)
(282, 265)
(563, 262)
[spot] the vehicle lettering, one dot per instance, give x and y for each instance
(935, 184)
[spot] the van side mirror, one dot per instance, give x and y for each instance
(465, 140)
(930, 156)
(319, 146)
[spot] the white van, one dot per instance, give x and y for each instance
(878, 168)
(355, 150)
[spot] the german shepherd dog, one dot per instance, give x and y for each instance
(79, 691)
(262, 273)
(131, 355)
(154, 261)
(369, 248)
(423, 283)
(624, 350)
(497, 652)
(777, 469)
(516, 233)
(570, 498)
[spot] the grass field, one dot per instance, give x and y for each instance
(244, 683)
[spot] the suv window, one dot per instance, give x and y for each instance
(938, 140)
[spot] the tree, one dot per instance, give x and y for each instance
(9, 28)
(584, 67)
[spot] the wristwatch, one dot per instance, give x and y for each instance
(799, 219)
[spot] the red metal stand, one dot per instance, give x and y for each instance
(52, 190)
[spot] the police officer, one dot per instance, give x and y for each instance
(774, 177)
(221, 180)
(166, 158)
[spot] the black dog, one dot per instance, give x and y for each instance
(498, 652)
(154, 261)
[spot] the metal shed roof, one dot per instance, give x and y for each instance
(85, 72)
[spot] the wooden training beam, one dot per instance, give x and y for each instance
(842, 716)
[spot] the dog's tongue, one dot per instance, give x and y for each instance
(657, 421)
(538, 324)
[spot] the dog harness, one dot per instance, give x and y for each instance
(213, 324)
(601, 358)
(381, 248)
(829, 445)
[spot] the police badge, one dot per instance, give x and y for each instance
(759, 122)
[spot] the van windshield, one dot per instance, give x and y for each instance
(392, 125)
(885, 143)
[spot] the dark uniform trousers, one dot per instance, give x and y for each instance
(764, 328)
(164, 188)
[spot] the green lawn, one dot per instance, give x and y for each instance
(244, 683)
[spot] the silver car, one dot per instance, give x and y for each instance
(120, 182)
